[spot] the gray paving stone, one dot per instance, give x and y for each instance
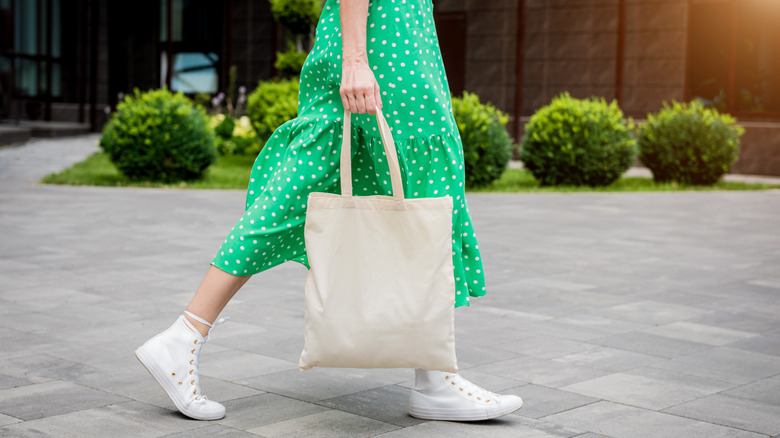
(650, 344)
(25, 344)
(769, 344)
(388, 404)
(542, 371)
(509, 426)
(648, 388)
(549, 428)
(325, 383)
(479, 355)
(732, 411)
(279, 344)
(500, 316)
(545, 347)
(768, 283)
(653, 312)
(621, 421)
(239, 365)
(726, 364)
(51, 398)
(607, 358)
(748, 321)
(751, 298)
(214, 430)
(540, 401)
(699, 333)
(5, 419)
(259, 410)
(129, 419)
(472, 331)
(11, 382)
(766, 391)
(325, 425)
(43, 367)
(592, 435)
(596, 285)
(583, 327)
(691, 299)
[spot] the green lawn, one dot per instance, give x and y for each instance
(520, 180)
(233, 173)
(230, 172)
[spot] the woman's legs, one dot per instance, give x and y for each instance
(213, 294)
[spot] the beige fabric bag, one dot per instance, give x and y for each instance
(381, 291)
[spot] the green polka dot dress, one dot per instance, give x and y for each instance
(302, 155)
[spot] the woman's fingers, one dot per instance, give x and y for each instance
(360, 100)
(359, 90)
(370, 98)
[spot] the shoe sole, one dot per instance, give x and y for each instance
(459, 415)
(159, 376)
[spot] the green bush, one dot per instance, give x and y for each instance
(201, 99)
(689, 143)
(241, 140)
(225, 128)
(159, 136)
(271, 104)
(298, 15)
(290, 63)
(487, 147)
(578, 142)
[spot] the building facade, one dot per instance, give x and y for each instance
(519, 54)
(69, 59)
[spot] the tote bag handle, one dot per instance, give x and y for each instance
(390, 153)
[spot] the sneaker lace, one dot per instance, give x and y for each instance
(196, 370)
(471, 388)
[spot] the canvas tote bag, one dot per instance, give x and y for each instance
(381, 291)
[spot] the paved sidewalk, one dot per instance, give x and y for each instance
(618, 315)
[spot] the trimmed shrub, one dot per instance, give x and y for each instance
(290, 63)
(225, 128)
(159, 136)
(271, 104)
(241, 140)
(578, 142)
(297, 15)
(689, 143)
(487, 146)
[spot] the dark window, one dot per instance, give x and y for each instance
(195, 42)
(758, 57)
(734, 55)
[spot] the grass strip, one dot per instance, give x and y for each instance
(232, 172)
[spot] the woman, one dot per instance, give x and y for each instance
(385, 51)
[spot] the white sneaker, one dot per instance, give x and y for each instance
(445, 396)
(172, 359)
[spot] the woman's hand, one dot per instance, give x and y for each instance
(359, 89)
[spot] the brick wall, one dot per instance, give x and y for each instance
(570, 45)
(490, 48)
(654, 54)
